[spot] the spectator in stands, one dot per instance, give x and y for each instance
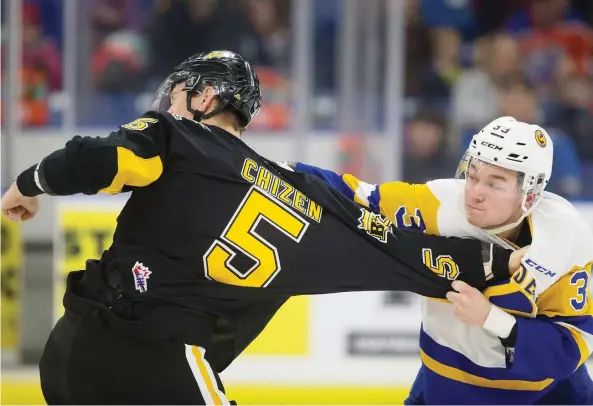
(573, 113)
(418, 48)
(445, 67)
(519, 100)
(270, 40)
(41, 70)
(326, 28)
(490, 16)
(108, 16)
(194, 25)
(51, 17)
(475, 96)
(120, 50)
(446, 13)
(190, 25)
(552, 38)
(426, 156)
(40, 53)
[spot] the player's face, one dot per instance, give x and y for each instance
(492, 195)
(201, 101)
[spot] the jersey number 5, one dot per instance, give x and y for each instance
(240, 235)
(140, 123)
(443, 265)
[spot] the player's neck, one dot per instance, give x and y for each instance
(513, 234)
(218, 123)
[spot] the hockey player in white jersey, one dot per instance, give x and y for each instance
(524, 341)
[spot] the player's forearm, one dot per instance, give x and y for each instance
(442, 260)
(90, 165)
(84, 165)
(542, 349)
(331, 178)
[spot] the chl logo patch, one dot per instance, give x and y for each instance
(540, 138)
(375, 225)
(141, 275)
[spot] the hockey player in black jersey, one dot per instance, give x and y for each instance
(212, 241)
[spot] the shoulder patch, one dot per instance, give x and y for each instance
(375, 225)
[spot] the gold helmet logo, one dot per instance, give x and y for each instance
(540, 138)
(214, 55)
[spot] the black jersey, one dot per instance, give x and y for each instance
(214, 237)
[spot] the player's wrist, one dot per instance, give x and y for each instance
(499, 322)
(496, 262)
(27, 183)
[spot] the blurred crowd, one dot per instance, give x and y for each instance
(531, 59)
(466, 62)
(124, 47)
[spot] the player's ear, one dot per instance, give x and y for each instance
(203, 100)
(529, 200)
(210, 101)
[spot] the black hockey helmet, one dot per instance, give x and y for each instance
(228, 73)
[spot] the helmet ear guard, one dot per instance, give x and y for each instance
(193, 84)
(233, 78)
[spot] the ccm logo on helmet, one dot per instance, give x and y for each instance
(540, 138)
(539, 268)
(493, 146)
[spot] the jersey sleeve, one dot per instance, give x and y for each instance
(560, 338)
(130, 157)
(551, 348)
(409, 206)
(374, 254)
(515, 295)
(551, 254)
(413, 262)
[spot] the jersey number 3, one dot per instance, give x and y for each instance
(240, 235)
(581, 281)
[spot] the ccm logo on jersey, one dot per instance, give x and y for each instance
(490, 145)
(539, 268)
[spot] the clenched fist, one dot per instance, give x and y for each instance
(17, 207)
(515, 260)
(469, 304)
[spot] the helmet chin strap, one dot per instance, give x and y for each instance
(507, 227)
(199, 115)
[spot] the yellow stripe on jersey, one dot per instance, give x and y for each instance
(395, 195)
(465, 377)
(579, 340)
(515, 296)
(354, 184)
(134, 171)
(569, 296)
(205, 376)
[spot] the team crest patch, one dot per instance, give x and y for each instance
(376, 225)
(141, 275)
(540, 138)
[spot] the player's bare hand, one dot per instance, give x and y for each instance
(17, 207)
(515, 260)
(469, 304)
